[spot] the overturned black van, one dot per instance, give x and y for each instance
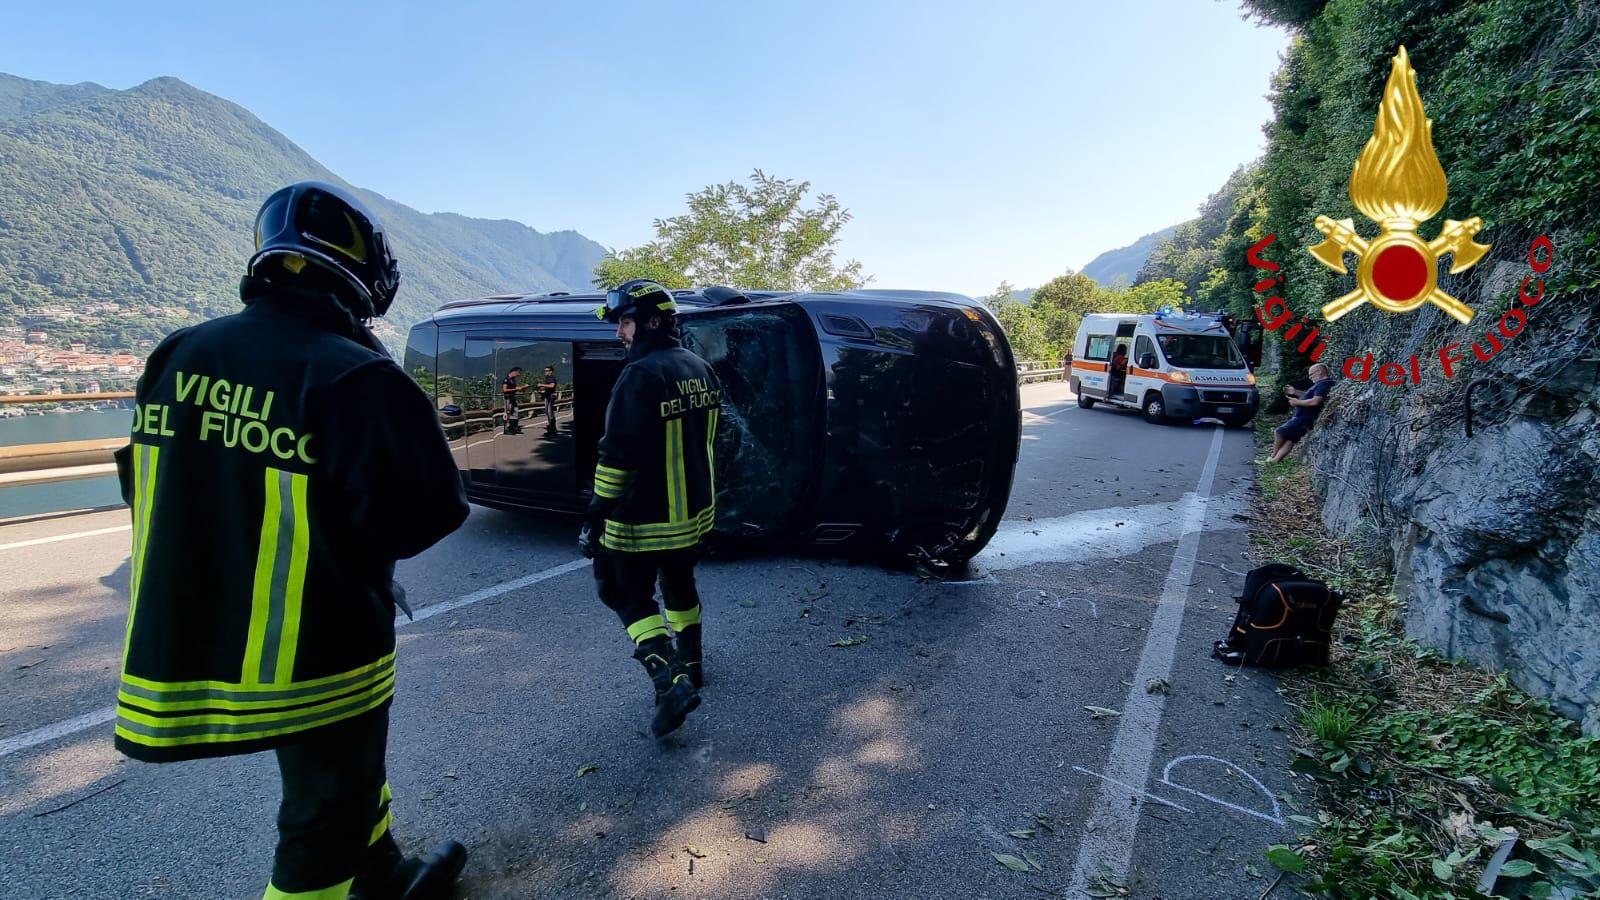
(867, 424)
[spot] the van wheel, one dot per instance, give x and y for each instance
(1085, 402)
(1155, 411)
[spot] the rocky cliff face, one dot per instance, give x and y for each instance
(1495, 538)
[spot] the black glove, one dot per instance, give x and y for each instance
(586, 541)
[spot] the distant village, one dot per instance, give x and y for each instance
(35, 361)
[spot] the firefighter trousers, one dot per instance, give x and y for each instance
(627, 584)
(334, 819)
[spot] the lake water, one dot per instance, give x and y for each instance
(77, 426)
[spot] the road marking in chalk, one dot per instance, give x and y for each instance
(1135, 791)
(99, 717)
(1116, 821)
(64, 537)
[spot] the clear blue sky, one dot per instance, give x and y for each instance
(972, 142)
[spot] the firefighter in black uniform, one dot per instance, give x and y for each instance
(655, 494)
(280, 464)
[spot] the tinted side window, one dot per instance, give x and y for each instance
(421, 359)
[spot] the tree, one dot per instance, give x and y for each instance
(1151, 296)
(756, 237)
(1004, 295)
(1062, 302)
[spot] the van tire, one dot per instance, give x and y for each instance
(1155, 410)
(1086, 402)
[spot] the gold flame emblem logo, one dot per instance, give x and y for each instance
(1398, 183)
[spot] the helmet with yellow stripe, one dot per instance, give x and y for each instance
(315, 228)
(639, 298)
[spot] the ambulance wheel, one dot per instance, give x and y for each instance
(1155, 411)
(1085, 402)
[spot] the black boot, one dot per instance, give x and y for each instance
(675, 693)
(387, 874)
(689, 652)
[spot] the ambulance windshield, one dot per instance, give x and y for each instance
(1200, 351)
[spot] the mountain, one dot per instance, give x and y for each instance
(132, 211)
(1125, 262)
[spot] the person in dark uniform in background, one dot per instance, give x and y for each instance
(280, 464)
(548, 388)
(655, 494)
(509, 389)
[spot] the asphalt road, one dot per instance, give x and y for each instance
(952, 726)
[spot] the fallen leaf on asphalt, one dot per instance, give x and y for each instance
(1251, 870)
(32, 664)
(449, 774)
(1032, 861)
(584, 770)
(425, 796)
(761, 859)
(1158, 686)
(759, 835)
(851, 641)
(1229, 679)
(740, 800)
(1025, 835)
(1010, 862)
(694, 851)
(1100, 712)
(747, 604)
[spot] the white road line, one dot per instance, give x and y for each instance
(1115, 821)
(64, 537)
(99, 717)
(58, 730)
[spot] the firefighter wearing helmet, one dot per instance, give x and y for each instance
(265, 475)
(655, 494)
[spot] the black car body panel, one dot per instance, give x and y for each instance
(878, 423)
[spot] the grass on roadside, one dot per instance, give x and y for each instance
(1419, 761)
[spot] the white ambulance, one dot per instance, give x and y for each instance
(1174, 366)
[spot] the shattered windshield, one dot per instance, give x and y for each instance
(766, 445)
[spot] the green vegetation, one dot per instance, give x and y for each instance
(133, 210)
(1419, 761)
(755, 237)
(1043, 327)
(1513, 89)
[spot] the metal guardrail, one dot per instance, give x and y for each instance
(25, 464)
(1031, 370)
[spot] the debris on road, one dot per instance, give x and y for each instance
(1158, 686)
(851, 641)
(584, 770)
(1100, 712)
(759, 835)
(1010, 862)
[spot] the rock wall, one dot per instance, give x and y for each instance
(1494, 538)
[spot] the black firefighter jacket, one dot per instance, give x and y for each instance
(655, 485)
(280, 464)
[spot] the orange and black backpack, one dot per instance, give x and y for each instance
(1285, 619)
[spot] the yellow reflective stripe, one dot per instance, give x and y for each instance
(145, 460)
(647, 628)
(261, 596)
(179, 700)
(294, 591)
(231, 732)
(606, 490)
(680, 619)
(640, 545)
(383, 685)
(385, 797)
(677, 489)
(246, 689)
(658, 528)
(711, 453)
(338, 892)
